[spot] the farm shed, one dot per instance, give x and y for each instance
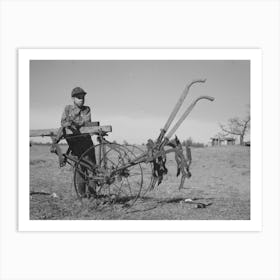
(226, 141)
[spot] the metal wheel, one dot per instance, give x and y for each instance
(108, 181)
(136, 151)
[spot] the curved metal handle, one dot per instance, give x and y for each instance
(177, 107)
(186, 113)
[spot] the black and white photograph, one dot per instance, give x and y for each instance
(140, 139)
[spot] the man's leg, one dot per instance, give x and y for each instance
(91, 183)
(81, 184)
(88, 144)
(78, 146)
(85, 185)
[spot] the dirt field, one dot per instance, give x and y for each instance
(220, 180)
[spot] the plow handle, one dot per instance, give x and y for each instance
(177, 108)
(186, 113)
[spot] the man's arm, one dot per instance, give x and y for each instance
(66, 121)
(84, 118)
(87, 118)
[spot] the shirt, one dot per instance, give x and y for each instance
(73, 115)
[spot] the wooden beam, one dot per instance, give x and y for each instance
(87, 129)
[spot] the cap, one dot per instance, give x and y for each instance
(76, 91)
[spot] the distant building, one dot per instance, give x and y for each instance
(225, 141)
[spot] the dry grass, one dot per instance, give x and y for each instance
(221, 180)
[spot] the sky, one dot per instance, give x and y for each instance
(136, 97)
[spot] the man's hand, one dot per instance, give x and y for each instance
(68, 122)
(74, 129)
(53, 149)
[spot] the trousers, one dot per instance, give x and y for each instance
(77, 146)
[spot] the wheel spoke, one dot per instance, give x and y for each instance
(129, 187)
(126, 182)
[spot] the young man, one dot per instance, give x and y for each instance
(74, 117)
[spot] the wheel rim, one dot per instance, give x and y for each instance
(124, 187)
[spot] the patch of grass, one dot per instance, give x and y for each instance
(213, 180)
(37, 161)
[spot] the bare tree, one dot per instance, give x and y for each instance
(237, 126)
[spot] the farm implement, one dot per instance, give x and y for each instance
(123, 173)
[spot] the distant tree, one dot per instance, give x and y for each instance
(125, 142)
(237, 127)
(221, 135)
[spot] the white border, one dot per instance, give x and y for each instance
(254, 55)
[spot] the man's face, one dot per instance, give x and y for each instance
(79, 100)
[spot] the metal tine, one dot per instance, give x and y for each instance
(177, 108)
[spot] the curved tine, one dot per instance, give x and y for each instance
(186, 113)
(178, 106)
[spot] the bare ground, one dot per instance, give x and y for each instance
(220, 181)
